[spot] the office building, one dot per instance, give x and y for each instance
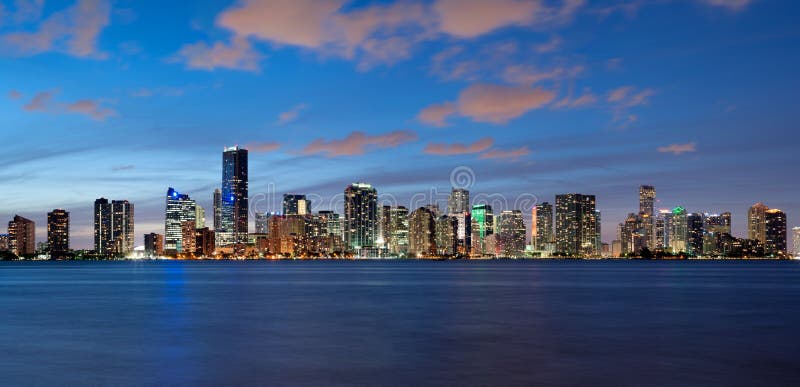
(4, 242)
(757, 222)
(58, 234)
(421, 233)
(576, 225)
(234, 198)
(542, 237)
(360, 216)
(261, 223)
(22, 236)
(204, 242)
(294, 204)
(511, 234)
(180, 208)
(446, 236)
(103, 241)
(398, 231)
(200, 216)
(796, 241)
(775, 233)
(153, 245)
(695, 223)
(482, 219)
(217, 209)
(647, 202)
(678, 233)
(122, 227)
(458, 202)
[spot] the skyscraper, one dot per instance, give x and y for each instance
(662, 229)
(694, 233)
(647, 202)
(756, 223)
(200, 216)
(360, 216)
(446, 235)
(262, 221)
(103, 241)
(775, 232)
(482, 226)
(22, 236)
(234, 200)
(796, 241)
(58, 233)
(678, 232)
(511, 234)
(421, 233)
(180, 209)
(458, 202)
(333, 223)
(294, 204)
(217, 209)
(576, 225)
(122, 226)
(153, 245)
(542, 227)
(398, 226)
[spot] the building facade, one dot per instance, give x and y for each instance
(234, 197)
(542, 237)
(576, 225)
(421, 233)
(22, 236)
(360, 216)
(775, 233)
(58, 234)
(180, 208)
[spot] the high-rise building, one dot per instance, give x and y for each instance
(4, 242)
(58, 233)
(122, 226)
(796, 241)
(180, 209)
(446, 236)
(360, 216)
(458, 202)
(576, 225)
(421, 233)
(542, 227)
(678, 232)
(757, 223)
(200, 216)
(294, 204)
(103, 240)
(715, 226)
(695, 223)
(22, 236)
(663, 220)
(398, 232)
(511, 234)
(204, 242)
(262, 223)
(333, 223)
(464, 233)
(482, 226)
(217, 209)
(188, 242)
(632, 234)
(384, 230)
(234, 200)
(647, 206)
(775, 232)
(153, 245)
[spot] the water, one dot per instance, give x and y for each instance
(399, 323)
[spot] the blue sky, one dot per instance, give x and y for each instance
(123, 99)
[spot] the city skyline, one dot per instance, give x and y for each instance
(584, 107)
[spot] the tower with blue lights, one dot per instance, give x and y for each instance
(234, 214)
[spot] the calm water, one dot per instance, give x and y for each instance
(400, 323)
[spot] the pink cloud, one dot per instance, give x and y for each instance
(14, 94)
(440, 149)
(499, 104)
(472, 18)
(291, 114)
(358, 143)
(264, 147)
(586, 99)
(437, 114)
(44, 102)
(237, 55)
(40, 102)
(92, 109)
(528, 75)
(627, 96)
(733, 5)
(549, 46)
(678, 149)
(74, 30)
(506, 154)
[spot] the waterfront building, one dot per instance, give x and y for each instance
(757, 222)
(204, 245)
(398, 230)
(234, 198)
(458, 201)
(796, 241)
(576, 225)
(188, 239)
(482, 219)
(153, 245)
(633, 234)
(180, 208)
(4, 242)
(715, 226)
(511, 234)
(647, 202)
(360, 216)
(775, 233)
(542, 227)
(695, 223)
(22, 236)
(446, 236)
(295, 204)
(261, 223)
(677, 230)
(58, 234)
(421, 233)
(333, 223)
(217, 209)
(103, 242)
(200, 216)
(464, 233)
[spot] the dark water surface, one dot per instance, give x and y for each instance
(400, 323)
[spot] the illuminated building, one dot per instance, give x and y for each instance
(511, 234)
(180, 208)
(294, 204)
(576, 225)
(398, 232)
(333, 222)
(103, 242)
(217, 209)
(677, 230)
(4, 242)
(234, 200)
(542, 227)
(200, 216)
(58, 234)
(796, 241)
(647, 202)
(757, 222)
(715, 226)
(662, 229)
(360, 216)
(464, 234)
(187, 243)
(261, 223)
(446, 236)
(632, 234)
(482, 226)
(775, 232)
(153, 245)
(458, 202)
(421, 233)
(694, 233)
(22, 236)
(204, 242)
(122, 226)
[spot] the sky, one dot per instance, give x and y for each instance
(518, 100)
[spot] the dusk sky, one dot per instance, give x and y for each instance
(123, 99)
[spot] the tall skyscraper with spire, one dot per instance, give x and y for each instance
(234, 197)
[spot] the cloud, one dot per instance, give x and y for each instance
(123, 168)
(549, 46)
(236, 55)
(506, 154)
(496, 104)
(73, 30)
(529, 75)
(358, 143)
(627, 96)
(437, 114)
(291, 114)
(440, 149)
(499, 104)
(678, 149)
(472, 18)
(586, 99)
(264, 147)
(44, 102)
(733, 5)
(14, 94)
(92, 109)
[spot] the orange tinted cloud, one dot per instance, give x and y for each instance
(263, 147)
(437, 114)
(44, 102)
(678, 149)
(499, 104)
(91, 108)
(472, 18)
(237, 55)
(506, 154)
(358, 143)
(291, 114)
(440, 149)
